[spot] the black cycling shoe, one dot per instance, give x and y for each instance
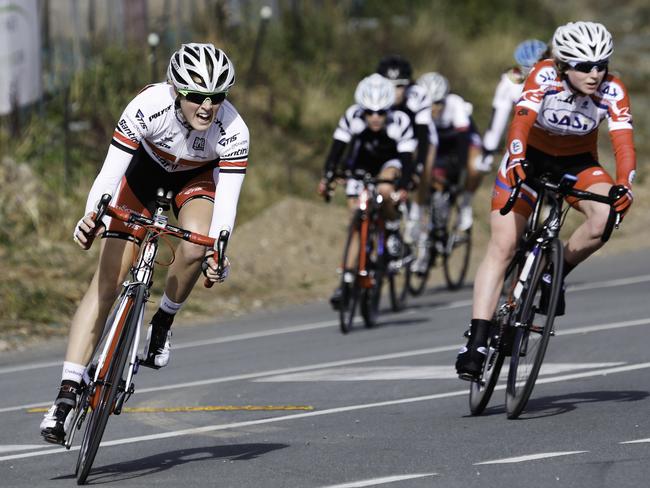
(469, 362)
(546, 296)
(339, 298)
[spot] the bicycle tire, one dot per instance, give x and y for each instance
(371, 298)
(499, 344)
(98, 418)
(417, 281)
(458, 249)
(350, 291)
(530, 342)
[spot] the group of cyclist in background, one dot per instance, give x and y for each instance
(413, 136)
(422, 136)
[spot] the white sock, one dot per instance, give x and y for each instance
(169, 306)
(466, 200)
(72, 372)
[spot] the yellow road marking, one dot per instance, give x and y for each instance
(208, 408)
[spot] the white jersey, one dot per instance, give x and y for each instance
(506, 96)
(152, 121)
(455, 116)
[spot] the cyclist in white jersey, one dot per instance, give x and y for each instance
(373, 138)
(459, 142)
(412, 99)
(507, 93)
(181, 135)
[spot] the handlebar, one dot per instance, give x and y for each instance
(222, 244)
(565, 187)
(130, 217)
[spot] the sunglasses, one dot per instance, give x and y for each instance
(199, 98)
(378, 112)
(587, 67)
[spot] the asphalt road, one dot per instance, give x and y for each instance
(375, 407)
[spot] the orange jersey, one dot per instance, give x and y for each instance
(552, 118)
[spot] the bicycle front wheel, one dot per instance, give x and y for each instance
(350, 290)
(457, 250)
(531, 338)
(480, 391)
(108, 386)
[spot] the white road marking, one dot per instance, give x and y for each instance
(388, 373)
(329, 323)
(638, 441)
(350, 408)
(381, 481)
(248, 376)
(530, 457)
(21, 447)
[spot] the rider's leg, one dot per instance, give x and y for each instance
(195, 215)
(472, 182)
(505, 232)
(586, 239)
(420, 199)
(115, 258)
(390, 211)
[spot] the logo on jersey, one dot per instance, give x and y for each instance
(126, 130)
(139, 116)
(516, 146)
(158, 114)
(199, 144)
(228, 140)
(545, 76)
(566, 119)
(598, 172)
(611, 90)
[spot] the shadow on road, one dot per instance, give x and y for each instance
(556, 405)
(158, 463)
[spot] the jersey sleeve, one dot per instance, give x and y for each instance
(619, 119)
(229, 176)
(502, 106)
(349, 125)
(233, 148)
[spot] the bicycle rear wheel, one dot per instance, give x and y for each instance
(457, 249)
(108, 390)
(531, 340)
(350, 290)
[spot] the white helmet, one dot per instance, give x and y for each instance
(436, 86)
(375, 93)
(201, 68)
(580, 42)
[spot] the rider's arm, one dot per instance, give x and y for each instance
(501, 108)
(401, 131)
(228, 178)
(127, 136)
(620, 129)
(349, 125)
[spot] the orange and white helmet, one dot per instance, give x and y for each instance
(201, 68)
(582, 42)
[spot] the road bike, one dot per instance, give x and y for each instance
(444, 239)
(524, 319)
(361, 285)
(109, 383)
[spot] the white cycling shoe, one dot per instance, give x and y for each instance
(157, 348)
(466, 218)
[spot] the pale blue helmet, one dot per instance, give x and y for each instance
(528, 52)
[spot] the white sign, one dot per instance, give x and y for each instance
(20, 54)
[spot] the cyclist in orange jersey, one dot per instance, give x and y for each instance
(555, 129)
(181, 135)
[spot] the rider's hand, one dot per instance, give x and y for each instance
(401, 195)
(85, 231)
(515, 172)
(325, 187)
(624, 198)
(210, 269)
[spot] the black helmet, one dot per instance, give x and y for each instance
(395, 68)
